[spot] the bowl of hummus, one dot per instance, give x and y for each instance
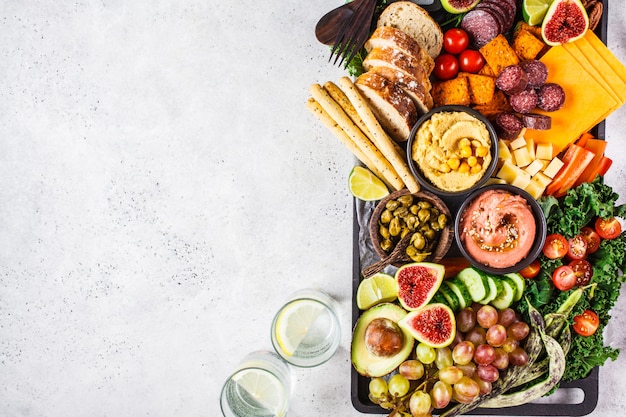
(452, 150)
(500, 228)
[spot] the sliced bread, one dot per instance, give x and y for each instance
(388, 36)
(417, 90)
(415, 22)
(392, 107)
(396, 59)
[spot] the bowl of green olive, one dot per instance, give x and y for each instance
(423, 215)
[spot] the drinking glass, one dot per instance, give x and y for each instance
(260, 387)
(306, 330)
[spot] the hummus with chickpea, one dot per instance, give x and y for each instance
(452, 149)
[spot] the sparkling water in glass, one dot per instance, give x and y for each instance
(260, 387)
(306, 330)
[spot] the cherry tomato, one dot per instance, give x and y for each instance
(532, 270)
(587, 323)
(608, 228)
(555, 246)
(455, 40)
(577, 247)
(592, 237)
(564, 278)
(583, 270)
(471, 61)
(446, 67)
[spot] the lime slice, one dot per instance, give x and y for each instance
(293, 323)
(366, 186)
(379, 288)
(533, 11)
(261, 389)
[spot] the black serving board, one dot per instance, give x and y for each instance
(576, 398)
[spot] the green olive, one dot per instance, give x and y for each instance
(384, 232)
(411, 221)
(429, 234)
(386, 216)
(406, 200)
(395, 227)
(434, 224)
(442, 219)
(411, 251)
(414, 208)
(386, 245)
(423, 215)
(424, 204)
(418, 257)
(418, 241)
(392, 205)
(401, 211)
(405, 231)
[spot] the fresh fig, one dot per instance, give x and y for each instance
(432, 324)
(565, 21)
(459, 6)
(417, 283)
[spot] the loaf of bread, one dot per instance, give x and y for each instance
(415, 22)
(392, 107)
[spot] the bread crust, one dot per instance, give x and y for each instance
(388, 36)
(415, 22)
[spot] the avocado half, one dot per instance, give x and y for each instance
(365, 362)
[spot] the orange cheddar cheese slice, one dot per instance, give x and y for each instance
(599, 62)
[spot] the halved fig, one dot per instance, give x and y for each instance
(459, 6)
(565, 21)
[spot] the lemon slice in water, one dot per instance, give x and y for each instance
(366, 186)
(261, 390)
(293, 323)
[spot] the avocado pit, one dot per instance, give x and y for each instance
(383, 337)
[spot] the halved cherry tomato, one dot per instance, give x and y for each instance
(577, 247)
(583, 270)
(555, 246)
(587, 323)
(455, 40)
(446, 66)
(532, 270)
(564, 278)
(608, 228)
(592, 237)
(471, 60)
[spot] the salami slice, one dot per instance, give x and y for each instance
(508, 125)
(537, 72)
(512, 79)
(500, 11)
(524, 101)
(481, 26)
(537, 121)
(551, 97)
(511, 7)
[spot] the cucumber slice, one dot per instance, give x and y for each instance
(495, 288)
(439, 298)
(506, 296)
(476, 283)
(460, 290)
(520, 284)
(450, 296)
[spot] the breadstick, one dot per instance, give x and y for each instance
(377, 158)
(343, 100)
(382, 141)
(334, 127)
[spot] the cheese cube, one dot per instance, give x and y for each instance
(553, 167)
(530, 145)
(544, 151)
(504, 152)
(494, 180)
(535, 189)
(522, 180)
(508, 172)
(534, 167)
(518, 143)
(541, 179)
(522, 157)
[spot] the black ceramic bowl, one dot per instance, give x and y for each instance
(417, 171)
(540, 229)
